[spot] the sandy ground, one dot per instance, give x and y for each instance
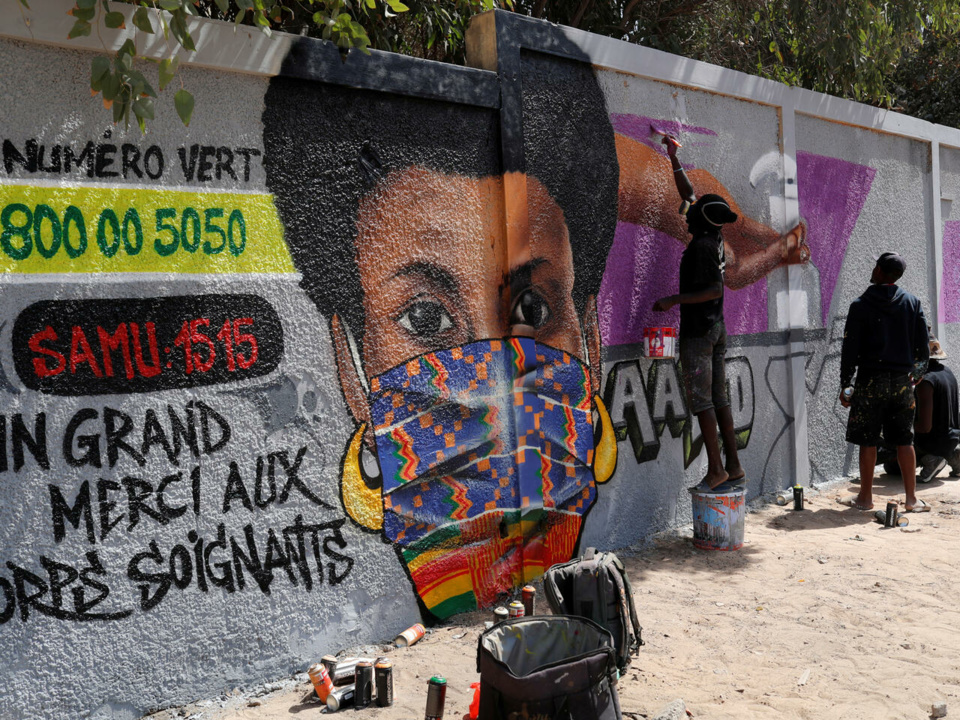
(822, 614)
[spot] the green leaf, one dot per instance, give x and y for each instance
(114, 20)
(86, 4)
(85, 14)
(397, 6)
(372, 4)
(123, 62)
(128, 48)
(141, 20)
(224, 6)
(110, 87)
(143, 108)
(79, 29)
(99, 69)
(179, 29)
(245, 4)
(183, 101)
(24, 3)
(168, 70)
(141, 85)
(170, 5)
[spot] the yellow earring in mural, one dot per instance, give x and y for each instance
(605, 461)
(362, 502)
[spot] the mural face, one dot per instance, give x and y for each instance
(484, 440)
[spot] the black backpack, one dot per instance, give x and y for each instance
(595, 586)
(549, 667)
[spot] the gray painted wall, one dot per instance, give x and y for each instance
(755, 139)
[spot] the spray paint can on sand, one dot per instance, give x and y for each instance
(436, 698)
(383, 671)
(341, 697)
(409, 636)
(528, 596)
(321, 680)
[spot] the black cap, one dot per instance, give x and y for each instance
(714, 209)
(892, 265)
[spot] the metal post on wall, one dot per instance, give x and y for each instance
(934, 316)
(797, 316)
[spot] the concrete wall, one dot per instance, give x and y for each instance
(346, 360)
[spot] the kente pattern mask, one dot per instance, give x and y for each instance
(486, 453)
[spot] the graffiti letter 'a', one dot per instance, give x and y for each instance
(642, 408)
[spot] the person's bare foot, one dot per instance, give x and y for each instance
(735, 472)
(795, 248)
(712, 480)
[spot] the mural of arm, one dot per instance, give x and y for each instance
(648, 197)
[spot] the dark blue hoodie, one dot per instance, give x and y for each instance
(885, 330)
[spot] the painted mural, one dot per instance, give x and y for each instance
(350, 353)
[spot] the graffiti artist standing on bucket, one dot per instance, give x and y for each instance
(885, 342)
(703, 335)
(470, 366)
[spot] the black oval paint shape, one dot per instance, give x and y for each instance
(134, 345)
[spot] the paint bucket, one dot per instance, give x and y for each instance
(718, 519)
(659, 342)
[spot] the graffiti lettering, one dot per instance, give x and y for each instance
(206, 162)
(98, 160)
(44, 594)
(21, 439)
(641, 409)
(88, 347)
(224, 562)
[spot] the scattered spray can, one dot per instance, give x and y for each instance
(345, 671)
(890, 519)
(798, 497)
(436, 698)
(340, 698)
(330, 663)
(500, 614)
(528, 597)
(321, 680)
(516, 609)
(364, 684)
(409, 636)
(383, 671)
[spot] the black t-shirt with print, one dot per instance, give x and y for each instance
(701, 266)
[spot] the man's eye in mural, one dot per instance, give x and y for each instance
(425, 319)
(530, 309)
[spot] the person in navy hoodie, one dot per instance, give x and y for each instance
(885, 343)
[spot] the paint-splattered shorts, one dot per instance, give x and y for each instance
(704, 374)
(882, 410)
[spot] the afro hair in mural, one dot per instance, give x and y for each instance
(327, 146)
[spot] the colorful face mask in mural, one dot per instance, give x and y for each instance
(486, 454)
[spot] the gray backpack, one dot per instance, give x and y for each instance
(596, 586)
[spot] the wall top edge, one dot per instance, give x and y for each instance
(639, 61)
(243, 49)
(221, 46)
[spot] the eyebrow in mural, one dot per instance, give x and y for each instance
(476, 459)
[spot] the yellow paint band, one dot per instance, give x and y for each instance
(448, 588)
(111, 230)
